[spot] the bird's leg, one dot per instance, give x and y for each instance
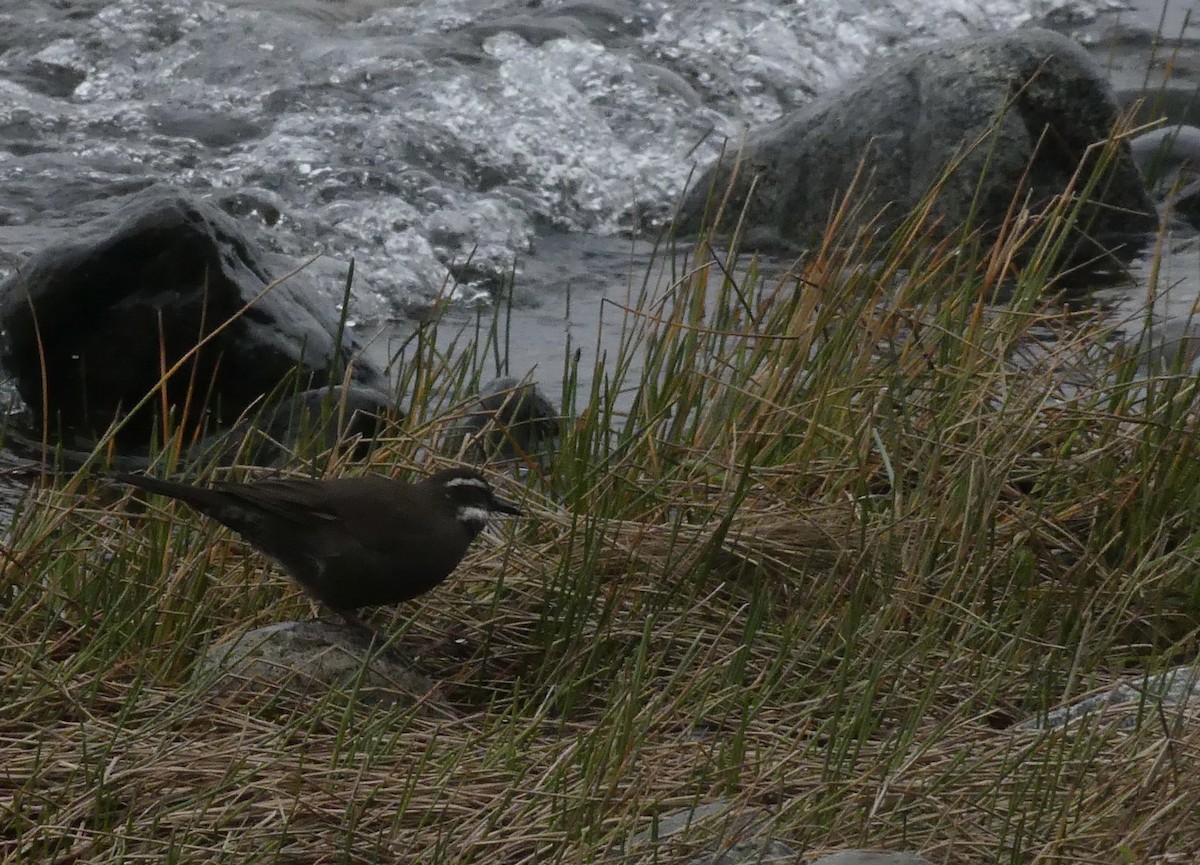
(372, 634)
(351, 618)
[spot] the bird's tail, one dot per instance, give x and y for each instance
(202, 499)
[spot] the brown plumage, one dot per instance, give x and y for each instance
(351, 542)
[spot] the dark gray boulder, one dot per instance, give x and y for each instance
(306, 423)
(141, 285)
(509, 419)
(1045, 97)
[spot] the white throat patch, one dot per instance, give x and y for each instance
(471, 514)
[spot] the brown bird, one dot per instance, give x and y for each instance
(351, 542)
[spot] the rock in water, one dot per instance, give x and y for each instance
(1045, 98)
(139, 287)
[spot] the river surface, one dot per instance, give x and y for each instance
(463, 149)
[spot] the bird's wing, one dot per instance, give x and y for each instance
(294, 500)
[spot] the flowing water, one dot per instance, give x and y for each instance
(447, 146)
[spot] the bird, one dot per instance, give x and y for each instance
(351, 542)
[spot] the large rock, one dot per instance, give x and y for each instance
(1045, 97)
(91, 314)
(301, 425)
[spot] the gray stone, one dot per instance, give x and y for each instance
(1162, 154)
(750, 853)
(211, 127)
(1175, 692)
(910, 118)
(741, 827)
(671, 824)
(747, 842)
(1174, 101)
(311, 658)
(865, 857)
(1169, 159)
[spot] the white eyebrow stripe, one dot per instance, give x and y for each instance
(478, 483)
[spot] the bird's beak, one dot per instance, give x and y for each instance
(500, 506)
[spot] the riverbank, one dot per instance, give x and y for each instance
(855, 527)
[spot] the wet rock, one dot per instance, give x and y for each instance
(1169, 159)
(510, 419)
(260, 204)
(608, 22)
(1186, 203)
(311, 658)
(1173, 695)
(910, 118)
(57, 69)
(309, 422)
(136, 290)
(1174, 101)
(301, 425)
(1161, 154)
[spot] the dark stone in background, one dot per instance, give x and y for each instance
(912, 116)
(509, 419)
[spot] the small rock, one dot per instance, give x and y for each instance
(750, 853)
(1161, 154)
(667, 825)
(742, 849)
(865, 857)
(210, 127)
(311, 421)
(1169, 159)
(251, 201)
(1177, 692)
(311, 658)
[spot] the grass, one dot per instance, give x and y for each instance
(812, 545)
